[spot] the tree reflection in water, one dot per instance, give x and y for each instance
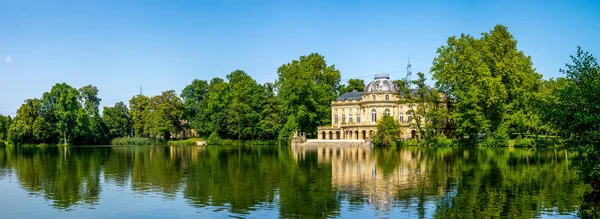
(313, 181)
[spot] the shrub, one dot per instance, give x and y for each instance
(523, 142)
(388, 132)
(186, 142)
(213, 139)
(443, 142)
(287, 132)
(2, 144)
(138, 141)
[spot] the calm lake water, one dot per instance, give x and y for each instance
(275, 182)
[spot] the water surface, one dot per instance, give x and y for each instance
(275, 182)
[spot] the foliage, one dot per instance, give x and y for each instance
(353, 85)
(186, 142)
(388, 132)
(577, 112)
(490, 80)
(5, 122)
(137, 141)
(287, 132)
(213, 139)
(117, 120)
(306, 88)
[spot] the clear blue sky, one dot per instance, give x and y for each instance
(119, 46)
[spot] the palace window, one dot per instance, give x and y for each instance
(358, 118)
(387, 97)
(350, 118)
(373, 116)
(373, 97)
(419, 117)
(401, 117)
(409, 117)
(343, 118)
(387, 112)
(336, 119)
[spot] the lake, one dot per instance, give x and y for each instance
(279, 182)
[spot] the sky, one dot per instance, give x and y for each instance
(120, 46)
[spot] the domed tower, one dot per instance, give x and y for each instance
(380, 98)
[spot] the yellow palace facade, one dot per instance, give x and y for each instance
(355, 114)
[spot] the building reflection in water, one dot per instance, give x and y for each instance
(357, 171)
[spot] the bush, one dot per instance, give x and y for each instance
(388, 132)
(213, 139)
(443, 142)
(523, 142)
(2, 144)
(186, 142)
(138, 141)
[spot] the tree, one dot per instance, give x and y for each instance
(93, 130)
(194, 96)
(5, 122)
(166, 115)
(306, 87)
(214, 117)
(353, 84)
(21, 129)
(62, 100)
(488, 78)
(388, 132)
(244, 105)
(140, 115)
(271, 118)
(117, 120)
(577, 112)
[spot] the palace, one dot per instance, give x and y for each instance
(355, 114)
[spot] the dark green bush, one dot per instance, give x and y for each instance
(213, 139)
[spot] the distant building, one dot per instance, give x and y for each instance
(354, 115)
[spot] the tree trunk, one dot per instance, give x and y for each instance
(65, 138)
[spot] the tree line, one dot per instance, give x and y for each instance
(236, 107)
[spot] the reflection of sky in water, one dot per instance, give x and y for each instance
(265, 182)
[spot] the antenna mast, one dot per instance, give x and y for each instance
(408, 72)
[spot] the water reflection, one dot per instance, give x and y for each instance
(309, 181)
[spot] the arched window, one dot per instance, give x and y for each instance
(358, 118)
(373, 116)
(343, 118)
(387, 112)
(401, 117)
(350, 118)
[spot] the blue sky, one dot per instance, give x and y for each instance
(119, 46)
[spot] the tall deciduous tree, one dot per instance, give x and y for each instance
(306, 87)
(166, 115)
(21, 129)
(117, 120)
(244, 106)
(488, 78)
(63, 102)
(5, 122)
(353, 85)
(194, 101)
(140, 115)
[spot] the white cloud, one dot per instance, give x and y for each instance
(8, 59)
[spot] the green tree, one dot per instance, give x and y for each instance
(117, 120)
(166, 115)
(306, 87)
(214, 117)
(271, 118)
(21, 129)
(95, 132)
(577, 112)
(5, 122)
(488, 78)
(140, 115)
(388, 132)
(194, 102)
(353, 84)
(244, 105)
(63, 102)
